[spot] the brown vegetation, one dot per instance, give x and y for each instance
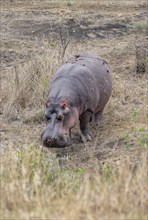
(106, 178)
(34, 187)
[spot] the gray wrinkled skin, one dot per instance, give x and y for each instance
(79, 90)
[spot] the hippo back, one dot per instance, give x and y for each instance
(85, 78)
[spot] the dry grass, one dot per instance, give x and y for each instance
(35, 187)
(25, 86)
(104, 179)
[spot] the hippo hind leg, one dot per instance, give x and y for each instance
(84, 121)
(98, 116)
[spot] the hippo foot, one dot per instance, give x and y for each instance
(86, 137)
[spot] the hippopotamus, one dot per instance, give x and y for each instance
(78, 91)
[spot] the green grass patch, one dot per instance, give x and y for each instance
(68, 2)
(125, 135)
(142, 26)
(143, 141)
(135, 116)
(141, 129)
(107, 172)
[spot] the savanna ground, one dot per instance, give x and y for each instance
(103, 179)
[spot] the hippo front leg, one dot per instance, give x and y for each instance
(84, 121)
(98, 117)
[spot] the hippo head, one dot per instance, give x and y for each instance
(60, 118)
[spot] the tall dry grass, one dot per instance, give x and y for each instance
(36, 187)
(24, 86)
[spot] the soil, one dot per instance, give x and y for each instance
(22, 27)
(108, 28)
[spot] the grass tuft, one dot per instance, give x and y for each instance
(28, 85)
(35, 186)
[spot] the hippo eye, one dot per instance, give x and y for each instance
(47, 117)
(60, 117)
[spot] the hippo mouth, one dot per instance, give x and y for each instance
(56, 145)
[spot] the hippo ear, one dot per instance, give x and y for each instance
(65, 106)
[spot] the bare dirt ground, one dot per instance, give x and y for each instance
(30, 29)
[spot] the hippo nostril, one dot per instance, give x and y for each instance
(46, 139)
(53, 139)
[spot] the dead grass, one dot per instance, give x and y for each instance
(25, 86)
(104, 179)
(35, 187)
